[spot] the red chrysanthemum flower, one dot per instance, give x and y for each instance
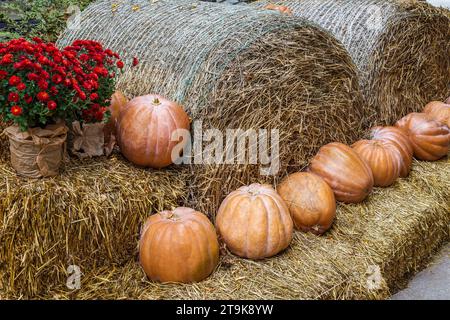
(13, 97)
(43, 85)
(3, 74)
(51, 105)
(82, 95)
(43, 96)
(57, 79)
(32, 76)
(54, 91)
(14, 80)
(21, 86)
(93, 96)
(7, 58)
(135, 62)
(28, 99)
(99, 115)
(119, 64)
(16, 111)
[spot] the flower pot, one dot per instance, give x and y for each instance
(37, 152)
(88, 140)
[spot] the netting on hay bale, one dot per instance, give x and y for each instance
(234, 67)
(401, 48)
(371, 248)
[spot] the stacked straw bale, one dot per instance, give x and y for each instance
(88, 216)
(401, 48)
(370, 249)
(234, 67)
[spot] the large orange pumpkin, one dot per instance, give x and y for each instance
(145, 128)
(438, 111)
(382, 157)
(310, 200)
(254, 222)
(178, 246)
(430, 139)
(401, 141)
(345, 172)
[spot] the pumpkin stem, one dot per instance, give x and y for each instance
(172, 216)
(156, 101)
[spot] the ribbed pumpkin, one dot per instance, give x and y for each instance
(382, 157)
(145, 128)
(346, 173)
(118, 102)
(400, 140)
(439, 111)
(430, 139)
(310, 201)
(254, 222)
(178, 246)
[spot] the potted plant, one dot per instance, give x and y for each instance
(95, 83)
(36, 95)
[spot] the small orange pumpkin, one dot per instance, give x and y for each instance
(254, 222)
(383, 159)
(438, 111)
(310, 200)
(280, 8)
(346, 173)
(401, 141)
(145, 128)
(178, 246)
(118, 102)
(430, 139)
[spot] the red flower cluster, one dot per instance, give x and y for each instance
(31, 75)
(41, 82)
(94, 76)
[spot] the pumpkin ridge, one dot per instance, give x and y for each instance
(198, 247)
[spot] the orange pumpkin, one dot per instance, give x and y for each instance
(178, 246)
(346, 173)
(401, 141)
(438, 111)
(383, 159)
(430, 139)
(145, 128)
(310, 200)
(118, 102)
(254, 222)
(280, 8)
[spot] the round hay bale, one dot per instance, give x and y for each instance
(401, 48)
(234, 67)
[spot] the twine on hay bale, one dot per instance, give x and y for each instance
(401, 48)
(234, 67)
(369, 250)
(90, 215)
